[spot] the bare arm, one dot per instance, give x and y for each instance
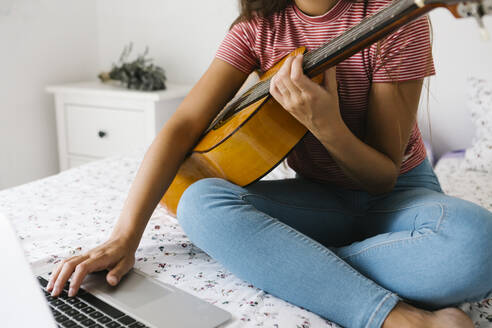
(374, 163)
(157, 170)
(174, 141)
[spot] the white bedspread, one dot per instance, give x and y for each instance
(474, 186)
(74, 211)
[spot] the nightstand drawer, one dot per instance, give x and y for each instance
(103, 132)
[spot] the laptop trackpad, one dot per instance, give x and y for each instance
(133, 291)
(154, 303)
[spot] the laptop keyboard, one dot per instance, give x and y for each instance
(85, 310)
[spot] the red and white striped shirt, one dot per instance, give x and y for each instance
(404, 55)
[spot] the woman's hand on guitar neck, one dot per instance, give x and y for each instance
(315, 106)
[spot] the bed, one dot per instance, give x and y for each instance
(73, 211)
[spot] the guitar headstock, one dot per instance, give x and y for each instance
(462, 9)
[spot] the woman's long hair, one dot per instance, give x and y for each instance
(263, 8)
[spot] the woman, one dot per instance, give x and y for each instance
(364, 236)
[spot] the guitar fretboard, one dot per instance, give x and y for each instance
(314, 59)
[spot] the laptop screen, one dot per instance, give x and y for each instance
(22, 303)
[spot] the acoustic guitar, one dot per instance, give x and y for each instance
(253, 133)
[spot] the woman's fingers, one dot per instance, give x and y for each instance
(301, 80)
(114, 255)
(66, 271)
(285, 76)
(282, 88)
(280, 79)
(297, 72)
(330, 80)
(114, 275)
(83, 269)
(297, 76)
(275, 92)
(56, 273)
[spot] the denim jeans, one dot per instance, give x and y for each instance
(346, 255)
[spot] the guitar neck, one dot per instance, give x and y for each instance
(355, 39)
(362, 35)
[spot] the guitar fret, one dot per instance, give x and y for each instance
(355, 33)
(315, 58)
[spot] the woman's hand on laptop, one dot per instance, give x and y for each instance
(115, 255)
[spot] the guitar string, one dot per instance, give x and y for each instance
(356, 31)
(351, 35)
(312, 58)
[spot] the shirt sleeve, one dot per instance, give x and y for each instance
(237, 48)
(405, 54)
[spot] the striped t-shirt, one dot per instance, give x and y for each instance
(406, 54)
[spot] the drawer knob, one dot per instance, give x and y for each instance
(101, 134)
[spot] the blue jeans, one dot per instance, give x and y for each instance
(346, 255)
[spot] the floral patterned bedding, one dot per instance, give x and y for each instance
(474, 186)
(73, 211)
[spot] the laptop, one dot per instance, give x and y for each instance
(137, 301)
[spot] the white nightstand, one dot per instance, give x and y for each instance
(96, 120)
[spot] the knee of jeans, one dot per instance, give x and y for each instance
(197, 199)
(467, 228)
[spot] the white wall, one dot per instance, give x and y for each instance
(182, 35)
(42, 42)
(459, 53)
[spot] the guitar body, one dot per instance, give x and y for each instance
(242, 149)
(250, 142)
